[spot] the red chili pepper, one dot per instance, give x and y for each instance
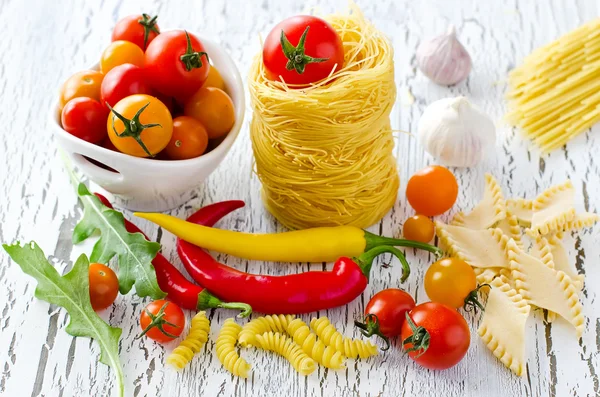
(179, 289)
(292, 294)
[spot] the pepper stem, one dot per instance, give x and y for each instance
(296, 58)
(191, 59)
(133, 128)
(374, 240)
(158, 321)
(370, 327)
(149, 24)
(419, 339)
(206, 300)
(365, 260)
(472, 301)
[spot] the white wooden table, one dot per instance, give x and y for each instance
(43, 43)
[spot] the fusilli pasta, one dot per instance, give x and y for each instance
(284, 346)
(327, 356)
(348, 347)
(226, 353)
(260, 325)
(193, 342)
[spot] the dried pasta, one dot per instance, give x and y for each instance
(284, 346)
(510, 227)
(226, 353)
(193, 342)
(522, 209)
(489, 211)
(580, 221)
(553, 247)
(485, 275)
(258, 326)
(325, 355)
(553, 209)
(555, 94)
(348, 347)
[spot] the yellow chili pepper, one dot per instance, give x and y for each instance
(321, 244)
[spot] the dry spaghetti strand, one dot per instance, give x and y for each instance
(324, 154)
(554, 95)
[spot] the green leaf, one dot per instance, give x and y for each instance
(72, 292)
(134, 252)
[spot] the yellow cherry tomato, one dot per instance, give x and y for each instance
(214, 79)
(120, 52)
(82, 84)
(213, 108)
(140, 125)
(419, 228)
(451, 281)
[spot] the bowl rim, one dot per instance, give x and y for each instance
(234, 82)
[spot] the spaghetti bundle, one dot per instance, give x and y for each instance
(555, 94)
(324, 153)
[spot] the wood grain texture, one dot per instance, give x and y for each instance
(44, 42)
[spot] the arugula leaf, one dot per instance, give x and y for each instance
(135, 253)
(72, 292)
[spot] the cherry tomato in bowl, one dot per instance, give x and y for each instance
(214, 79)
(435, 336)
(82, 84)
(104, 286)
(162, 321)
(214, 109)
(85, 118)
(432, 190)
(452, 281)
(123, 81)
(189, 139)
(119, 53)
(311, 50)
(418, 228)
(137, 29)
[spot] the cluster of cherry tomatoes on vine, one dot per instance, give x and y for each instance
(156, 94)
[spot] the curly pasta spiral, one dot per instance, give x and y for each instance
(327, 356)
(284, 346)
(260, 325)
(348, 347)
(226, 353)
(192, 343)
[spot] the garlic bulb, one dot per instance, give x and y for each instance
(443, 59)
(456, 132)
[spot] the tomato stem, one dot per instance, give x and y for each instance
(149, 24)
(472, 301)
(133, 127)
(370, 327)
(297, 59)
(192, 59)
(158, 321)
(420, 338)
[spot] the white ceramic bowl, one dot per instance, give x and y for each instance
(155, 185)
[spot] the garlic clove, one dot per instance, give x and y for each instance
(456, 132)
(443, 59)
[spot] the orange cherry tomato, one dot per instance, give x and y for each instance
(162, 321)
(189, 139)
(120, 52)
(214, 109)
(418, 228)
(432, 191)
(214, 79)
(104, 286)
(149, 134)
(82, 84)
(450, 281)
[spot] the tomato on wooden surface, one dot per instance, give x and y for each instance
(119, 53)
(214, 109)
(385, 313)
(140, 125)
(436, 336)
(452, 281)
(123, 81)
(432, 191)
(162, 321)
(137, 29)
(104, 286)
(189, 139)
(418, 228)
(176, 64)
(82, 84)
(85, 118)
(302, 49)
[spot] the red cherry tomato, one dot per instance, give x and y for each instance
(104, 286)
(175, 67)
(449, 335)
(138, 29)
(432, 191)
(321, 52)
(162, 321)
(390, 306)
(85, 118)
(123, 81)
